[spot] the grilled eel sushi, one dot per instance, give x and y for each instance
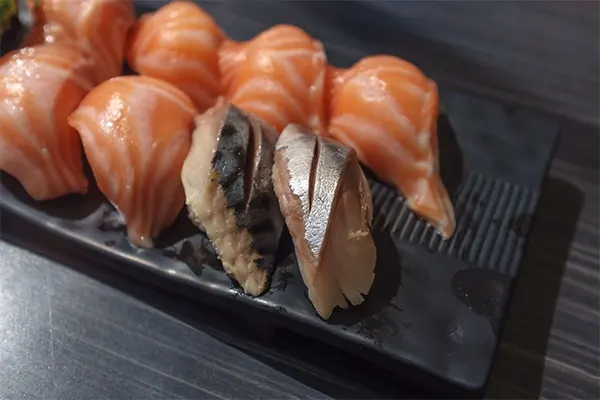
(229, 192)
(326, 200)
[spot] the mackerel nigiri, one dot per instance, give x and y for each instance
(179, 44)
(326, 200)
(229, 193)
(387, 110)
(99, 27)
(278, 76)
(39, 87)
(136, 133)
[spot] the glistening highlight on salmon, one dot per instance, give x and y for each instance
(248, 137)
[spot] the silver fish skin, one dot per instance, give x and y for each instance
(229, 193)
(326, 201)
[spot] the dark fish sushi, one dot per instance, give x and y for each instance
(326, 200)
(229, 193)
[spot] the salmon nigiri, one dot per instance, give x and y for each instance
(278, 76)
(179, 44)
(136, 134)
(99, 27)
(387, 110)
(39, 87)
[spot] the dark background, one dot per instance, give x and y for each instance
(71, 328)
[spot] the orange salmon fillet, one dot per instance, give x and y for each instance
(136, 133)
(279, 76)
(387, 110)
(40, 86)
(179, 44)
(99, 27)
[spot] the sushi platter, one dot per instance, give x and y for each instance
(358, 202)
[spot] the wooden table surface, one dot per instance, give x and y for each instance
(72, 328)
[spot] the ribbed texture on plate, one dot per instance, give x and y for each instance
(493, 218)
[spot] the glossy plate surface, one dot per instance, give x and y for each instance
(436, 308)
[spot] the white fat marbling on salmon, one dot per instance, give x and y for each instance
(392, 126)
(21, 72)
(37, 149)
(288, 53)
(198, 37)
(161, 60)
(341, 135)
(293, 76)
(111, 48)
(165, 185)
(18, 118)
(359, 126)
(179, 43)
(254, 87)
(134, 160)
(168, 94)
(373, 90)
(86, 23)
(282, 67)
(265, 109)
(401, 69)
(39, 178)
(173, 33)
(229, 59)
(284, 35)
(87, 119)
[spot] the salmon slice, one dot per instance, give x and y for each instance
(179, 44)
(136, 133)
(40, 87)
(232, 56)
(278, 76)
(99, 27)
(326, 201)
(229, 193)
(387, 110)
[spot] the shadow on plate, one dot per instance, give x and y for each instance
(519, 367)
(451, 157)
(388, 279)
(183, 241)
(324, 368)
(71, 207)
(182, 230)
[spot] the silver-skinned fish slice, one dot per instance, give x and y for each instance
(229, 193)
(326, 201)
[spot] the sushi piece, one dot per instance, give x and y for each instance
(179, 44)
(39, 87)
(278, 76)
(387, 110)
(99, 27)
(229, 193)
(136, 133)
(326, 200)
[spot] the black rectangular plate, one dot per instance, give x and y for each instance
(436, 308)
